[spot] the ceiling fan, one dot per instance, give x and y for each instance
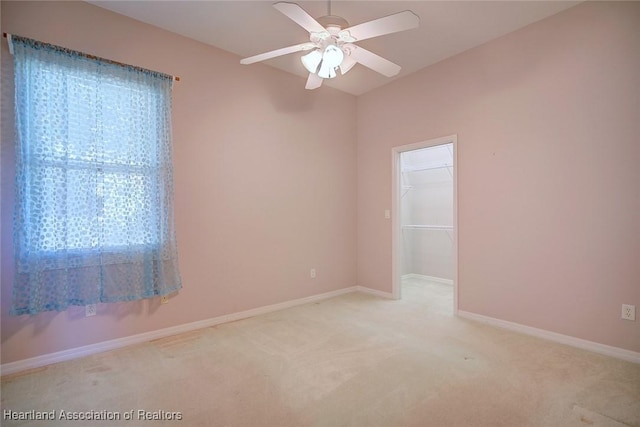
(332, 43)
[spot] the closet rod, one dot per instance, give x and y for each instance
(427, 168)
(430, 227)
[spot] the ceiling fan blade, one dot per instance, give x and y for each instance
(375, 62)
(347, 63)
(277, 52)
(299, 16)
(400, 21)
(314, 81)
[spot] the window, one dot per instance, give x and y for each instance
(94, 181)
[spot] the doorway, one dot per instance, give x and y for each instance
(424, 216)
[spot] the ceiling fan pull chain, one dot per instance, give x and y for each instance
(329, 7)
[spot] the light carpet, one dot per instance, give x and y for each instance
(353, 360)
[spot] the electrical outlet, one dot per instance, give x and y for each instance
(312, 274)
(628, 312)
(90, 310)
(164, 299)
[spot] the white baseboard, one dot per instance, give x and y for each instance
(607, 350)
(375, 292)
(74, 353)
(428, 278)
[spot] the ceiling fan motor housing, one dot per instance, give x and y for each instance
(333, 22)
(333, 34)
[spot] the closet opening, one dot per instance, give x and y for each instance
(424, 221)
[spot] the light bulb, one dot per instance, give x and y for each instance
(311, 60)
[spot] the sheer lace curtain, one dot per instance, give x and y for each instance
(94, 181)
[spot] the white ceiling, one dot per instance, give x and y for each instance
(247, 28)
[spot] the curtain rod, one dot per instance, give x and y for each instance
(86, 55)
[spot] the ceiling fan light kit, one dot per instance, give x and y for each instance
(332, 43)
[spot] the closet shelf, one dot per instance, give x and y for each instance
(429, 227)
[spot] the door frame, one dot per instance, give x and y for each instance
(396, 231)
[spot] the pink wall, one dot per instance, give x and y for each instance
(262, 193)
(548, 121)
(549, 206)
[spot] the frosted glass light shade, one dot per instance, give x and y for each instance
(333, 56)
(331, 59)
(311, 60)
(326, 72)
